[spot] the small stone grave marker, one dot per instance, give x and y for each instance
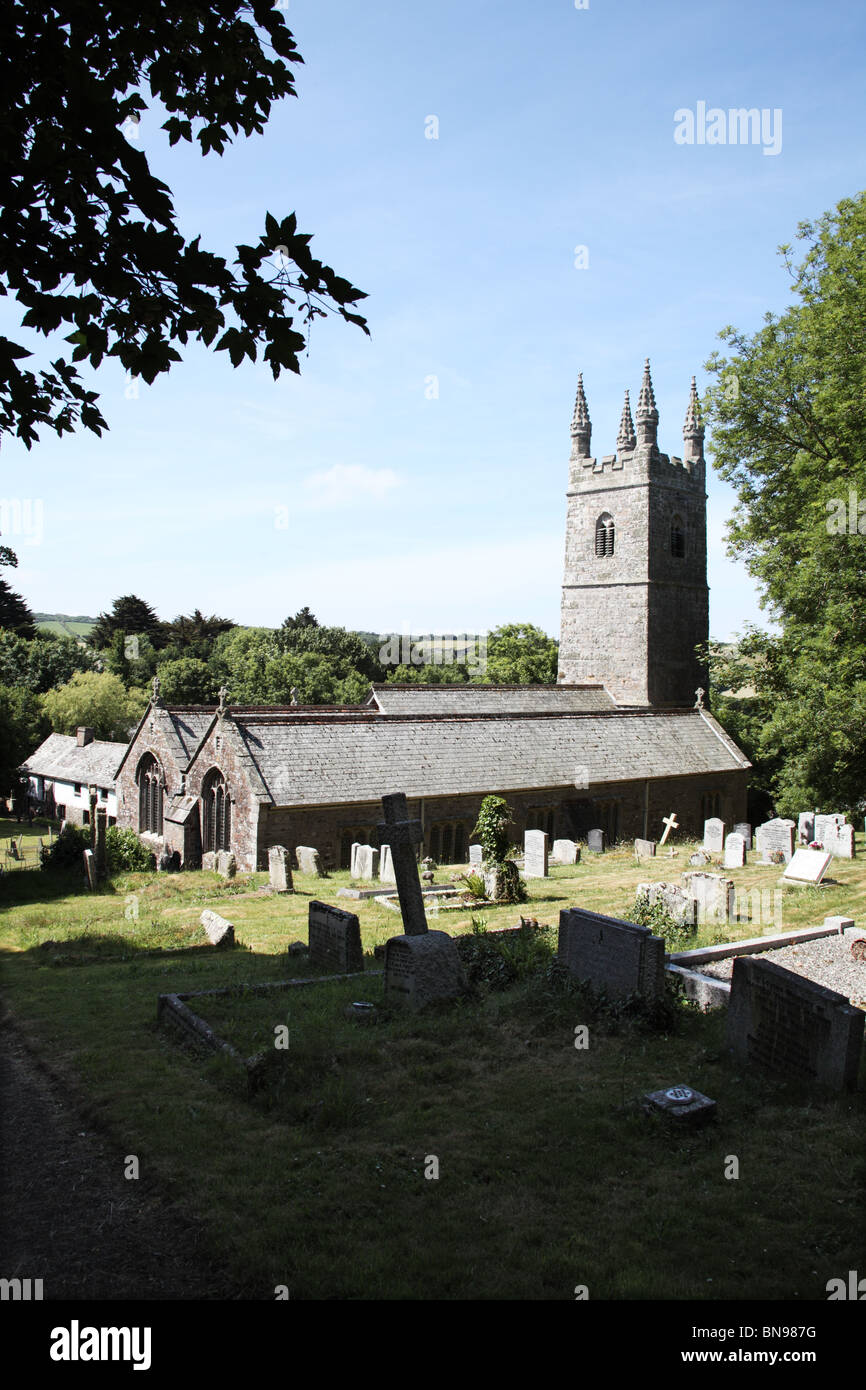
(421, 969)
(743, 828)
(535, 854)
(226, 864)
(89, 869)
(714, 835)
(353, 862)
(386, 865)
(683, 1104)
(335, 939)
(279, 872)
(220, 931)
(735, 851)
(807, 866)
(476, 854)
(565, 852)
(645, 849)
(595, 841)
(783, 1023)
(826, 824)
(839, 841)
(310, 861)
(610, 954)
(366, 863)
(714, 895)
(806, 827)
(670, 823)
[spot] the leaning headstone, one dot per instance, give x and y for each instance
(743, 828)
(784, 1023)
(735, 851)
(839, 841)
(100, 852)
(386, 865)
(226, 864)
(806, 827)
(310, 861)
(476, 854)
(807, 866)
(714, 895)
(714, 835)
(618, 957)
(775, 837)
(595, 841)
(89, 869)
(565, 852)
(672, 898)
(220, 931)
(402, 834)
(421, 969)
(698, 858)
(279, 870)
(335, 939)
(535, 854)
(645, 849)
(366, 862)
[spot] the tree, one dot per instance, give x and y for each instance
(303, 618)
(194, 636)
(788, 410)
(22, 728)
(98, 700)
(130, 616)
(520, 654)
(43, 662)
(88, 237)
(15, 616)
(187, 681)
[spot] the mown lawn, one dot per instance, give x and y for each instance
(550, 1174)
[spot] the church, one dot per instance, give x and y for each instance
(620, 742)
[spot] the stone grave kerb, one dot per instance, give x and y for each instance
(402, 834)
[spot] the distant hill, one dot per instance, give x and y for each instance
(62, 625)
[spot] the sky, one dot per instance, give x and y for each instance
(504, 182)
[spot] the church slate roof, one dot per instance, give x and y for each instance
(489, 699)
(62, 758)
(310, 760)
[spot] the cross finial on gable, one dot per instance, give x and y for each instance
(223, 697)
(294, 694)
(156, 690)
(699, 702)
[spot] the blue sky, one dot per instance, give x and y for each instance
(354, 489)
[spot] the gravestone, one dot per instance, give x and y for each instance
(476, 854)
(839, 841)
(714, 835)
(595, 841)
(89, 869)
(699, 857)
(826, 825)
(670, 823)
(226, 864)
(743, 828)
(366, 862)
(735, 851)
(220, 931)
(610, 954)
(279, 871)
(310, 861)
(353, 863)
(775, 837)
(645, 849)
(335, 939)
(672, 898)
(783, 1023)
(714, 895)
(421, 969)
(386, 865)
(535, 854)
(807, 866)
(208, 861)
(806, 827)
(402, 834)
(100, 852)
(565, 852)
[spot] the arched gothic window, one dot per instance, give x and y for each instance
(150, 788)
(604, 535)
(216, 812)
(678, 538)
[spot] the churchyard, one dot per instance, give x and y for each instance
(484, 1147)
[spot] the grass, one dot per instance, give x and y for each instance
(550, 1174)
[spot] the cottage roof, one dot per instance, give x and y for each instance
(489, 699)
(62, 757)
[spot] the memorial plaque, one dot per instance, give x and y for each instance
(807, 866)
(279, 873)
(535, 854)
(595, 841)
(422, 968)
(714, 835)
(610, 954)
(735, 851)
(645, 849)
(335, 939)
(565, 852)
(783, 1023)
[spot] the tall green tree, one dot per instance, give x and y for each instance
(99, 700)
(89, 241)
(131, 617)
(788, 414)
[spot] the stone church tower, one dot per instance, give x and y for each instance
(635, 600)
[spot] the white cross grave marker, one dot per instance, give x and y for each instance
(670, 823)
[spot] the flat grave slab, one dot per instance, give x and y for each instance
(807, 866)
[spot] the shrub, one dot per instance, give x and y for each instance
(496, 962)
(125, 852)
(66, 851)
(677, 934)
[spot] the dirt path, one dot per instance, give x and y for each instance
(68, 1216)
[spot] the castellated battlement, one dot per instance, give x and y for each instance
(642, 465)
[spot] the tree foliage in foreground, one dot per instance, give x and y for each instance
(89, 244)
(788, 410)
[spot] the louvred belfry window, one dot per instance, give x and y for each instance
(604, 535)
(150, 788)
(217, 813)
